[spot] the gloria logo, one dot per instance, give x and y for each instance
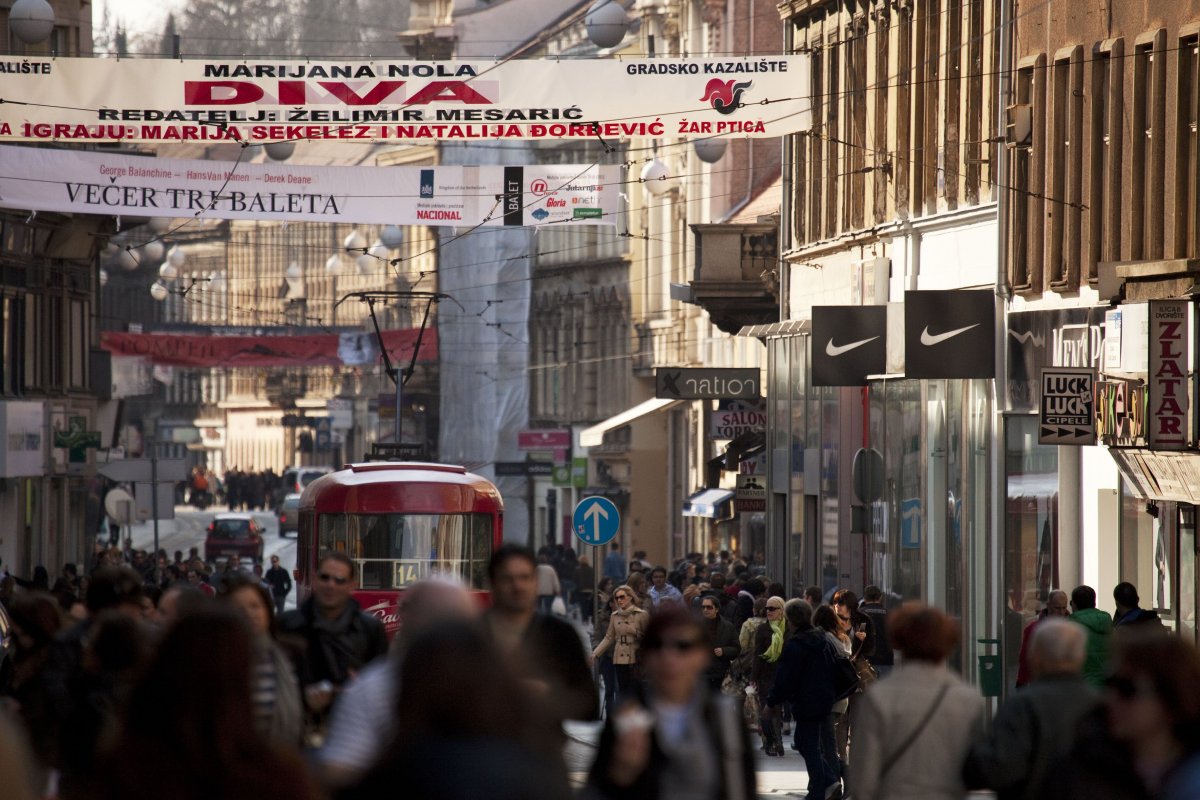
(725, 95)
(426, 183)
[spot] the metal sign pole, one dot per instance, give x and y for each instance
(154, 504)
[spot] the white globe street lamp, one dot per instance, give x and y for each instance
(711, 149)
(392, 236)
(333, 265)
(168, 272)
(606, 23)
(657, 177)
(126, 260)
(159, 291)
(293, 272)
(355, 241)
(31, 21)
(176, 257)
(280, 151)
(153, 250)
(103, 278)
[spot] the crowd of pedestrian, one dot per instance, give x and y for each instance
(206, 688)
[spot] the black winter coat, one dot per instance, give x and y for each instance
(724, 636)
(804, 676)
(336, 651)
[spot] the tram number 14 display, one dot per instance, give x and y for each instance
(407, 572)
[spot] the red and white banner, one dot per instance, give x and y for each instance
(355, 349)
(86, 182)
(1168, 382)
(156, 100)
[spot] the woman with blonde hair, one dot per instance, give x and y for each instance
(768, 646)
(626, 628)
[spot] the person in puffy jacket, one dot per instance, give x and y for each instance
(1099, 626)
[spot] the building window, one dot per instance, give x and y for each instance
(950, 172)
(854, 200)
(833, 146)
(816, 148)
(973, 151)
(1187, 170)
(1066, 167)
(1104, 188)
(927, 103)
(1028, 170)
(903, 165)
(1148, 151)
(880, 83)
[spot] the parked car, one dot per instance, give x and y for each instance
(234, 535)
(289, 514)
(296, 478)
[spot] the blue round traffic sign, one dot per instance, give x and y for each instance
(596, 520)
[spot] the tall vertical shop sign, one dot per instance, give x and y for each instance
(157, 100)
(1167, 380)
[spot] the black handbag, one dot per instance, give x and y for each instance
(845, 676)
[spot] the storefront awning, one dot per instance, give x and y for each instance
(789, 327)
(594, 436)
(708, 503)
(1160, 474)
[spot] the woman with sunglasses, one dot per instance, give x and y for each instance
(674, 738)
(768, 647)
(1145, 742)
(626, 627)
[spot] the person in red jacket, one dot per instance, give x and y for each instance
(1058, 604)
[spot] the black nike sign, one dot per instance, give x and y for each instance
(848, 344)
(950, 334)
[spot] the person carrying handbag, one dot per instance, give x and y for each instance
(915, 727)
(626, 627)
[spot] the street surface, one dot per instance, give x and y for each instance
(187, 530)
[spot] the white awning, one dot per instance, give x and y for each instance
(594, 436)
(707, 503)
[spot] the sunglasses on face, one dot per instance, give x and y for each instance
(1124, 688)
(678, 645)
(622, 597)
(773, 608)
(325, 577)
(708, 607)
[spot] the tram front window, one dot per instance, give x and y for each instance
(393, 551)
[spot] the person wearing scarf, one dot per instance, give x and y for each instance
(768, 646)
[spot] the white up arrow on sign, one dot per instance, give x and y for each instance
(594, 514)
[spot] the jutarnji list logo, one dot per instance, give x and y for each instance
(725, 96)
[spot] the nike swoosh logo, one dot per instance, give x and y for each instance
(930, 341)
(836, 350)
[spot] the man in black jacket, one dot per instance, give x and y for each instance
(1037, 726)
(544, 649)
(881, 656)
(338, 638)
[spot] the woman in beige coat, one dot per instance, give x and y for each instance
(626, 627)
(915, 726)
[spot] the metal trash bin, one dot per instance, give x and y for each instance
(991, 671)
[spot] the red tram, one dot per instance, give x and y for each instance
(399, 522)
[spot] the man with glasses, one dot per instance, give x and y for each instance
(280, 582)
(724, 638)
(338, 637)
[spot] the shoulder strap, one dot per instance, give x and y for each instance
(912, 737)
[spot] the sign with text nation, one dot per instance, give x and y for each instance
(77, 182)
(1167, 380)
(159, 100)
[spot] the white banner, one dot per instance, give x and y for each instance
(73, 181)
(153, 100)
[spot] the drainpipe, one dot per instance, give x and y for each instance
(994, 593)
(785, 208)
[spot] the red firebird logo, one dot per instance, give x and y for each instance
(724, 95)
